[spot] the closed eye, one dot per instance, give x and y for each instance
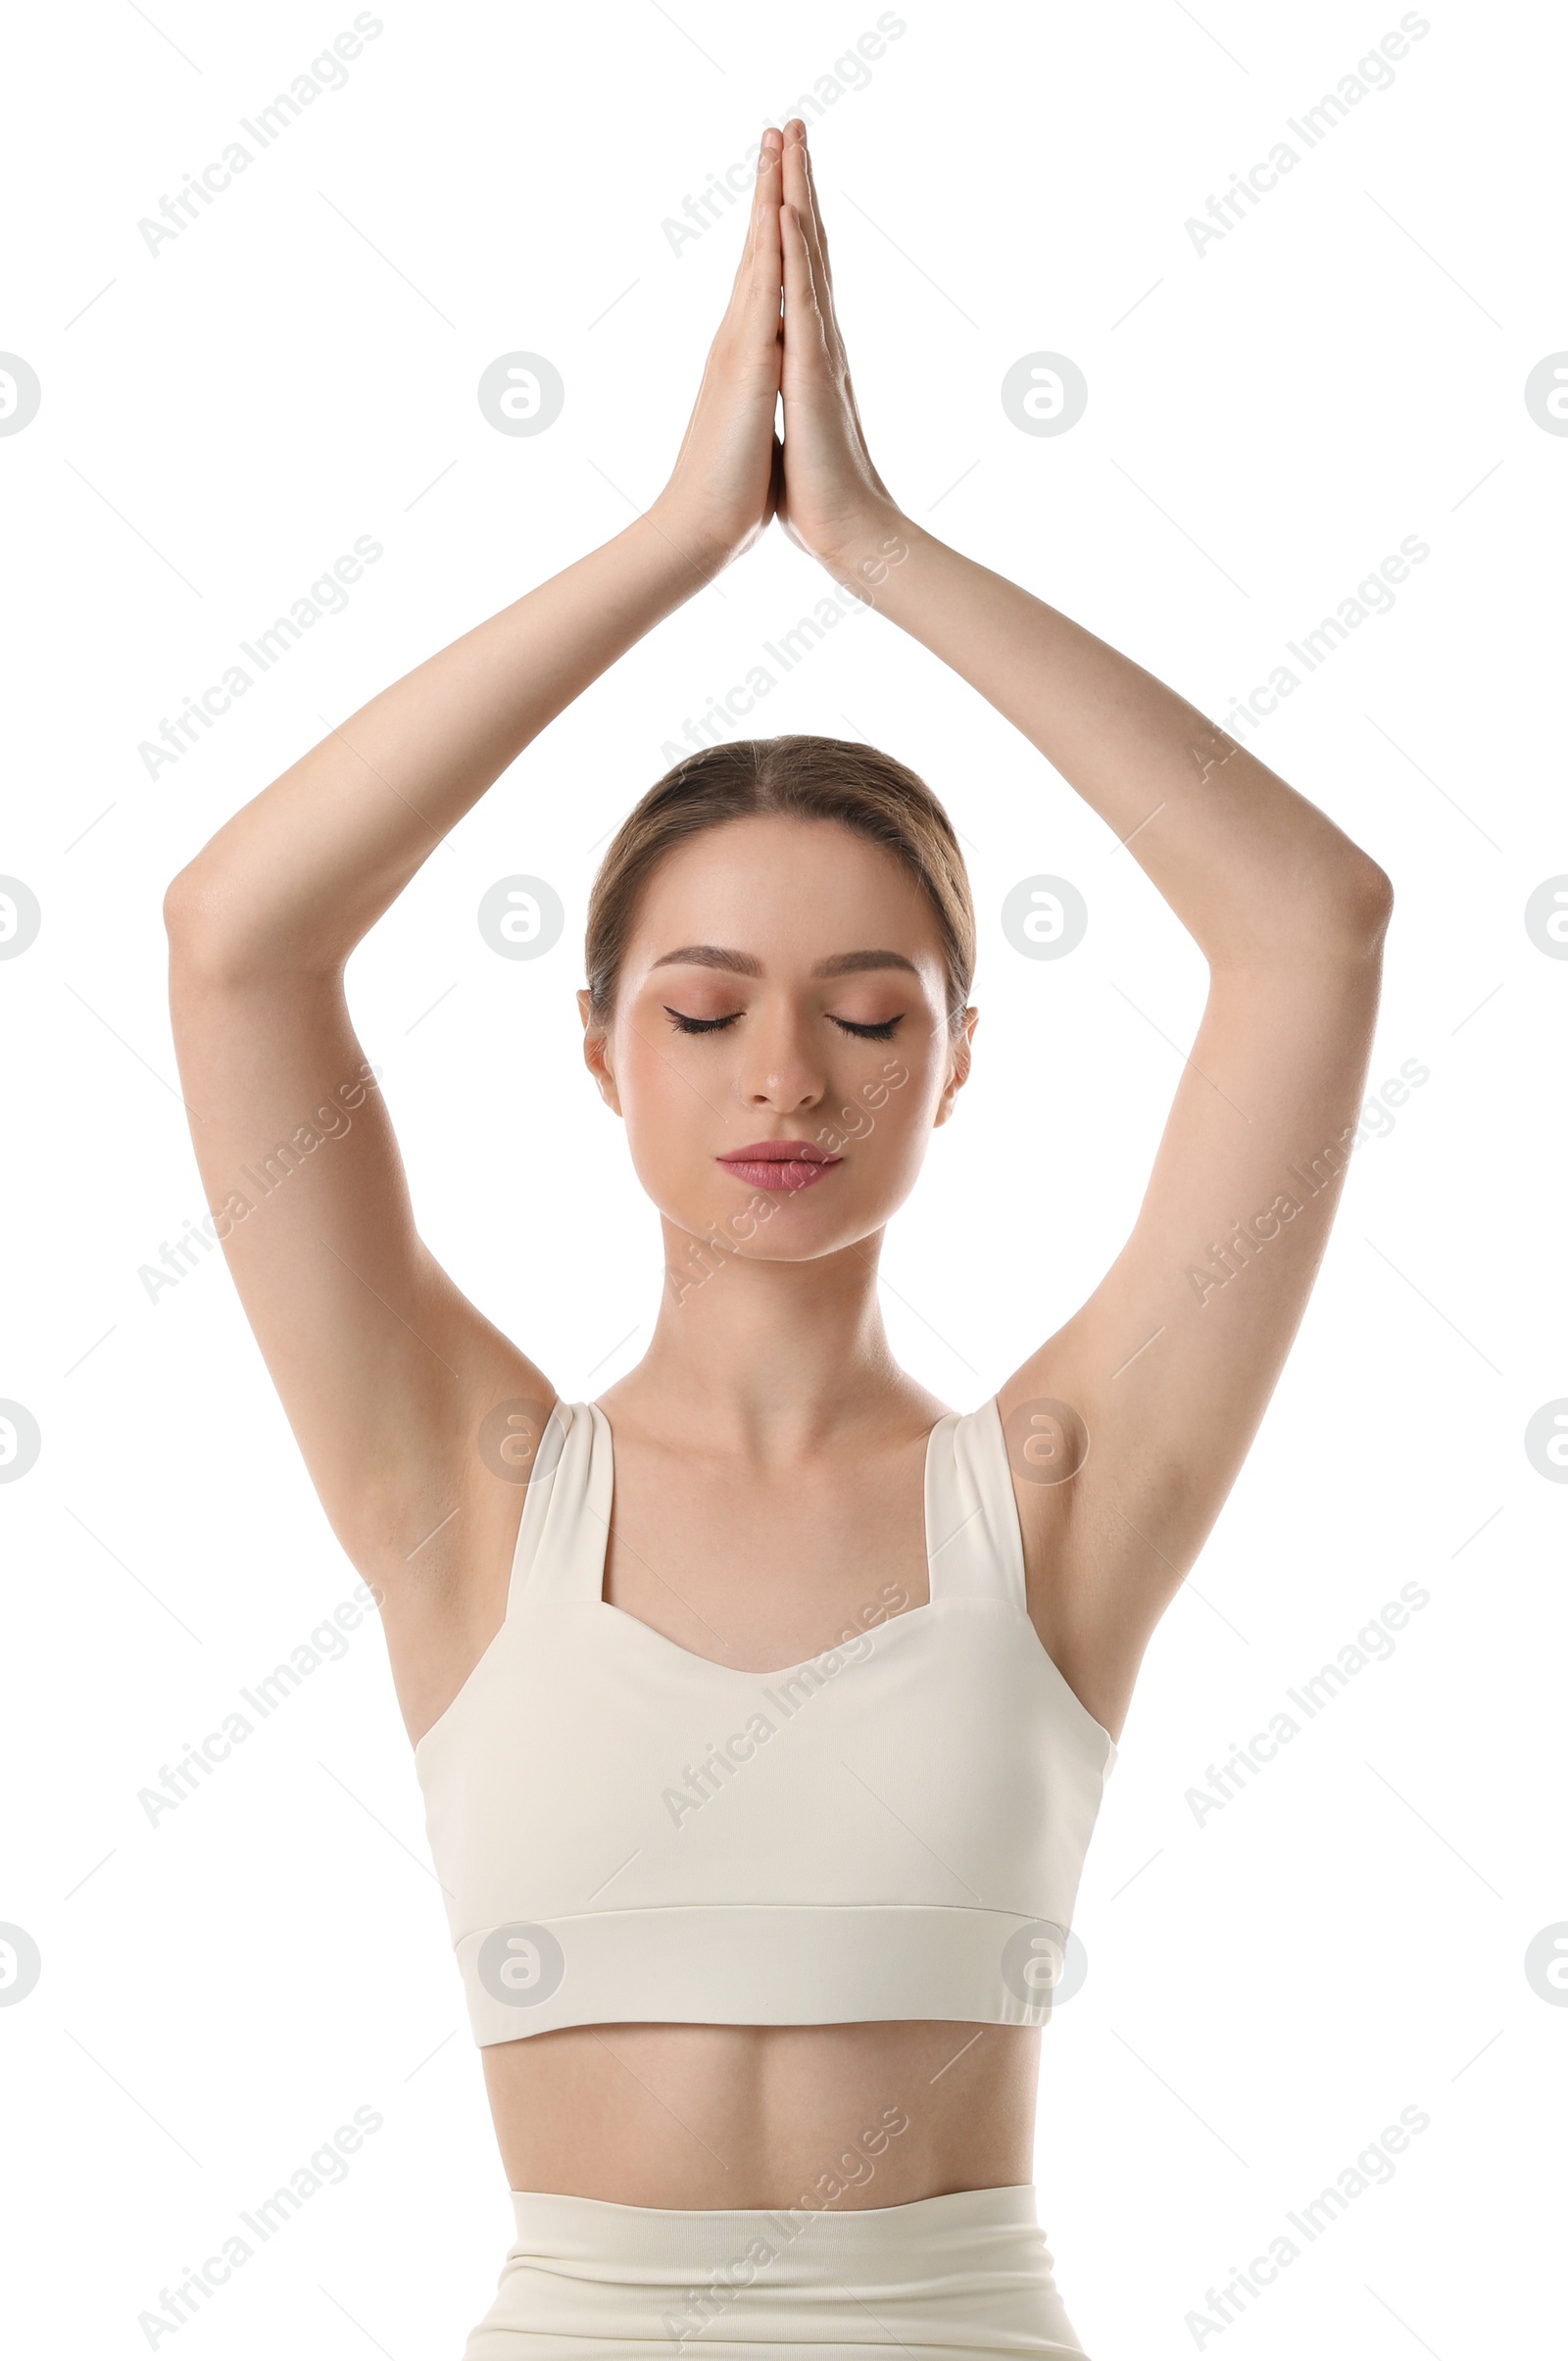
(719, 1024)
(699, 1024)
(881, 1032)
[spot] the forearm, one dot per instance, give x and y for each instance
(304, 870)
(1250, 868)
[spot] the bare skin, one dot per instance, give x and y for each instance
(767, 1423)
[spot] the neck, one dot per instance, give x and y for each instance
(766, 1358)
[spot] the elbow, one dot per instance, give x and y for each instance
(1347, 911)
(180, 896)
(1369, 904)
(225, 934)
(1335, 910)
(1340, 915)
(192, 919)
(212, 941)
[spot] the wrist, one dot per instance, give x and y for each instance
(697, 553)
(861, 556)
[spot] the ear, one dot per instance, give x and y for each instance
(596, 1055)
(958, 1072)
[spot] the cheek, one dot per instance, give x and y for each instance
(888, 1112)
(676, 1102)
(663, 1110)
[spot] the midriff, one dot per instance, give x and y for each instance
(752, 2116)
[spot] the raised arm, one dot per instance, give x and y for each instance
(385, 1370)
(1165, 1372)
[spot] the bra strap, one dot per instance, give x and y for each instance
(975, 1540)
(551, 1533)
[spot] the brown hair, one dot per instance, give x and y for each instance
(806, 778)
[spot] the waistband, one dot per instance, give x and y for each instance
(963, 2277)
(655, 2238)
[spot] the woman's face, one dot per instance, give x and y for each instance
(784, 986)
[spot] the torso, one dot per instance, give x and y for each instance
(725, 2115)
(758, 1575)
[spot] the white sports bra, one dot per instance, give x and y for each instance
(894, 1829)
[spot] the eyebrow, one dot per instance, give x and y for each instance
(744, 963)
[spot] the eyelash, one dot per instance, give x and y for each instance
(719, 1024)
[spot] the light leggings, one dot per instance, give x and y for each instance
(588, 2280)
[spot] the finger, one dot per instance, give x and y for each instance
(759, 274)
(823, 269)
(823, 273)
(804, 328)
(826, 272)
(816, 215)
(797, 186)
(801, 178)
(798, 192)
(764, 192)
(768, 249)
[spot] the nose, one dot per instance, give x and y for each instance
(781, 1070)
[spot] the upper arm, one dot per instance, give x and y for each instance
(385, 1370)
(1170, 1363)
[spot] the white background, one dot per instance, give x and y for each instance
(1267, 419)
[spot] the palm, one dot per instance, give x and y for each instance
(723, 488)
(732, 475)
(830, 488)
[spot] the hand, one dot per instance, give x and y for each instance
(723, 488)
(833, 503)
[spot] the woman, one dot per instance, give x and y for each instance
(763, 1708)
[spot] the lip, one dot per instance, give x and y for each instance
(784, 1166)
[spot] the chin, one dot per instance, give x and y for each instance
(776, 1226)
